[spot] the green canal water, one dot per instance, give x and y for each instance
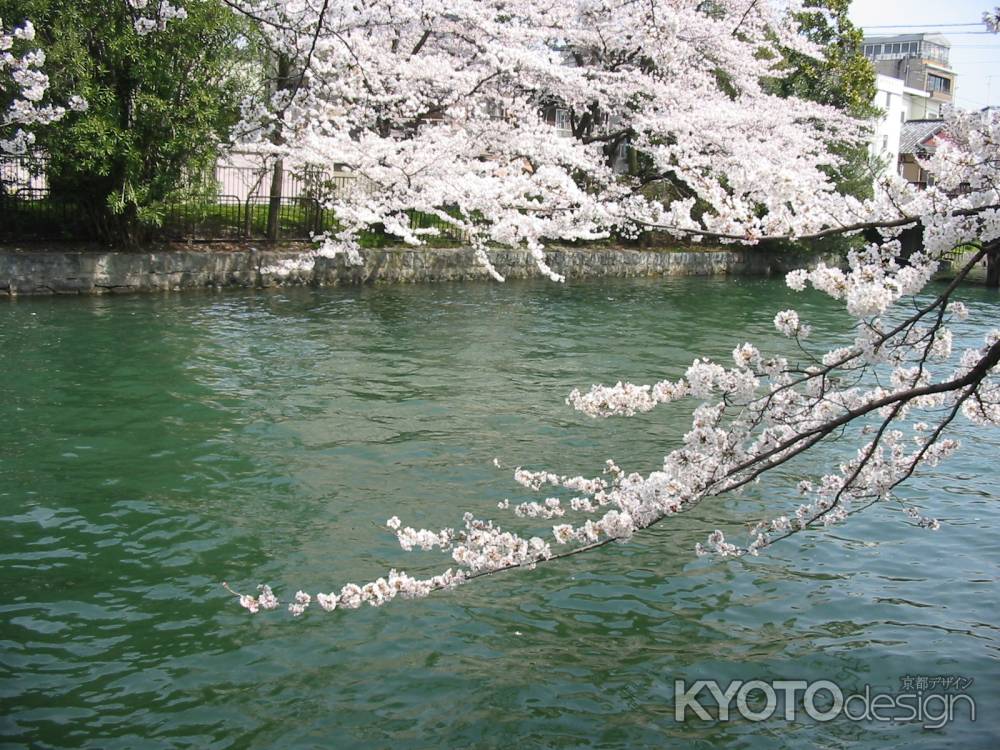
(153, 447)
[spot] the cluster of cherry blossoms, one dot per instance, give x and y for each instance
(992, 20)
(351, 595)
(160, 14)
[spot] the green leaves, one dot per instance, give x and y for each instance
(159, 104)
(845, 79)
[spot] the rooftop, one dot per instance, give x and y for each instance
(913, 133)
(922, 37)
(932, 47)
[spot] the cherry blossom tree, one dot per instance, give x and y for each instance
(506, 119)
(448, 109)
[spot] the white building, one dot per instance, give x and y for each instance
(898, 103)
(889, 98)
(920, 105)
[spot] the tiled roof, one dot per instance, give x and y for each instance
(915, 132)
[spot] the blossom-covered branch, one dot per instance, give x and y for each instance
(894, 385)
(766, 412)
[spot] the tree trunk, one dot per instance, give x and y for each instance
(993, 270)
(911, 241)
(283, 81)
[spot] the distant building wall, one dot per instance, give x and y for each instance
(246, 177)
(885, 138)
(919, 105)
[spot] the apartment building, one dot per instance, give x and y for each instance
(920, 61)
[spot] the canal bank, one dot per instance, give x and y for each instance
(32, 271)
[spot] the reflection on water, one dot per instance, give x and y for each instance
(154, 446)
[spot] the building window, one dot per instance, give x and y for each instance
(938, 83)
(931, 51)
(899, 50)
(885, 143)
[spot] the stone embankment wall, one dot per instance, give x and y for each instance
(39, 271)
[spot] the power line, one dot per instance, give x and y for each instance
(922, 25)
(931, 31)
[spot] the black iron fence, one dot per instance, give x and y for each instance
(31, 214)
(233, 203)
(228, 217)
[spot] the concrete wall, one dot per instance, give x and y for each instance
(39, 271)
